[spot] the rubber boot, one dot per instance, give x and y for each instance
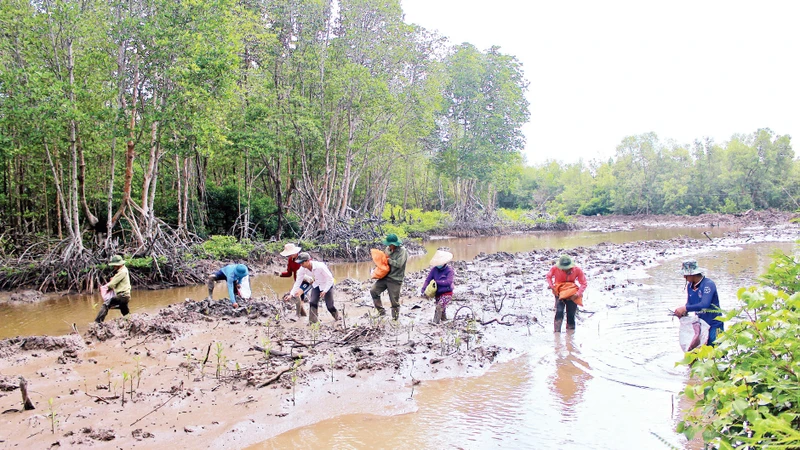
(557, 325)
(210, 284)
(298, 303)
(437, 314)
(336, 319)
(379, 307)
(395, 313)
(101, 315)
(312, 315)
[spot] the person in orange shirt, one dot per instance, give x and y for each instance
(562, 279)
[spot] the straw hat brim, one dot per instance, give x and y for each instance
(441, 257)
(289, 251)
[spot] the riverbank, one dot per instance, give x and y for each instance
(365, 365)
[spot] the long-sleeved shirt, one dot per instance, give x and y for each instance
(232, 279)
(443, 277)
(292, 267)
(397, 264)
(704, 297)
(121, 282)
(323, 278)
(557, 275)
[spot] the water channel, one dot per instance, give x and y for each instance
(55, 315)
(612, 384)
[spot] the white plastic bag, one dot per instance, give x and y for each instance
(106, 293)
(244, 288)
(693, 332)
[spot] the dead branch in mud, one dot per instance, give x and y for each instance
(272, 352)
(98, 398)
(276, 377)
(498, 308)
(455, 316)
(157, 408)
(208, 352)
(26, 401)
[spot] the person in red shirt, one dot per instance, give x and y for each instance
(569, 295)
(292, 266)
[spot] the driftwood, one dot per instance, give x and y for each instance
(23, 387)
(276, 377)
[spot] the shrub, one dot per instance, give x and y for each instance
(225, 247)
(747, 396)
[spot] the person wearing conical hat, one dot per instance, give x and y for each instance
(562, 279)
(393, 281)
(290, 250)
(702, 298)
(443, 274)
(120, 283)
(233, 274)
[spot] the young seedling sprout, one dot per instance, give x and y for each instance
(51, 414)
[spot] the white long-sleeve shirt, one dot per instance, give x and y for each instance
(323, 278)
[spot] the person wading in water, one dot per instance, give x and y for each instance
(121, 284)
(561, 279)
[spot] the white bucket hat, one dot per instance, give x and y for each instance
(441, 257)
(290, 249)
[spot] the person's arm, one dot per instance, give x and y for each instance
(427, 280)
(581, 280)
(325, 280)
(115, 280)
(290, 268)
(231, 294)
(447, 280)
(398, 258)
(550, 276)
(708, 289)
(296, 291)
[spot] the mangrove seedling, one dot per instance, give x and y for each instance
(296, 365)
(220, 358)
(189, 365)
(138, 359)
(314, 333)
(332, 358)
(125, 378)
(51, 415)
(266, 344)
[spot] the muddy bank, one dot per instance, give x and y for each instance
(203, 374)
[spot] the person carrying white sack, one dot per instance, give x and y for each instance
(702, 298)
(321, 287)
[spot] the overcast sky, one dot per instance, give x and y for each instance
(603, 70)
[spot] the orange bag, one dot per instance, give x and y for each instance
(381, 261)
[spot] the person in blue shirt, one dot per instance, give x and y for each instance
(233, 274)
(702, 298)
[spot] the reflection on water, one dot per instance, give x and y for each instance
(55, 315)
(569, 379)
(612, 384)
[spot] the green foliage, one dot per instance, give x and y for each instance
(747, 395)
(413, 220)
(224, 247)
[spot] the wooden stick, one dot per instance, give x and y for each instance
(26, 401)
(157, 408)
(101, 399)
(275, 378)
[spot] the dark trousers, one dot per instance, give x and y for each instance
(571, 308)
(119, 301)
(313, 299)
(392, 287)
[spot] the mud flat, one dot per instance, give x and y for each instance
(201, 374)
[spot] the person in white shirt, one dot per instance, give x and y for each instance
(321, 287)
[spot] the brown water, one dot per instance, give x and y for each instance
(55, 315)
(611, 385)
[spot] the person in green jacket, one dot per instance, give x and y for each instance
(121, 284)
(393, 280)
